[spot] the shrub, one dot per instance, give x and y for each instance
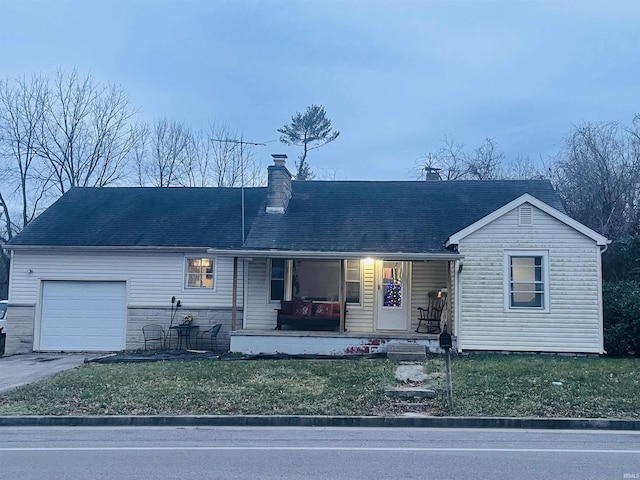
(622, 318)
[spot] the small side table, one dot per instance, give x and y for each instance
(184, 332)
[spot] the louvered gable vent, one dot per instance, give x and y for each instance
(525, 215)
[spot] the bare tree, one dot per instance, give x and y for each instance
(309, 130)
(172, 155)
(24, 180)
(597, 175)
(227, 160)
(484, 163)
(450, 159)
(170, 145)
(86, 136)
(523, 168)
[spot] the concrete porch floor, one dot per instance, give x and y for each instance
(297, 342)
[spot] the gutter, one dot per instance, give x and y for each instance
(105, 248)
(244, 253)
(332, 255)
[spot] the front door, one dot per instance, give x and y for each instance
(393, 294)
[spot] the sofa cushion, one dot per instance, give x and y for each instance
(323, 310)
(303, 309)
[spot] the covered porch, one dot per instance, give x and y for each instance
(381, 295)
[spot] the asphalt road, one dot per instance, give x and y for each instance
(315, 453)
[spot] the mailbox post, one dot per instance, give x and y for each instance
(446, 344)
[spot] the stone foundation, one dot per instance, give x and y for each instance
(204, 318)
(20, 329)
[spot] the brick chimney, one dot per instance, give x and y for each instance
(278, 185)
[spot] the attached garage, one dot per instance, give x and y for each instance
(83, 316)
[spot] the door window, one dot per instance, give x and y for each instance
(392, 284)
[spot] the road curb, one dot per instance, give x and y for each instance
(319, 421)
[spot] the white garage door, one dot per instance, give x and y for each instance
(83, 316)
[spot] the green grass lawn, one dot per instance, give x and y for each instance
(484, 385)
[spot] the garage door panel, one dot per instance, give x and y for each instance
(83, 316)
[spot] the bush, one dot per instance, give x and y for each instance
(622, 318)
(621, 261)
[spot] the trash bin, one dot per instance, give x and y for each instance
(3, 340)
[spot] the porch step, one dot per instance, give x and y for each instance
(408, 393)
(407, 352)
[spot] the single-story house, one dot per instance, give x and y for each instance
(353, 260)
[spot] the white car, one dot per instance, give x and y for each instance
(3, 313)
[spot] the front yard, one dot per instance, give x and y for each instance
(484, 385)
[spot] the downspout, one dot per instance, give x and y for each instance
(600, 298)
(342, 295)
(245, 289)
(457, 307)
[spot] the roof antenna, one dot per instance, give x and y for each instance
(242, 143)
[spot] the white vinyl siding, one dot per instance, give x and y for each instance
(360, 318)
(425, 277)
(260, 313)
(572, 322)
(152, 277)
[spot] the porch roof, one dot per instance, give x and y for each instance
(415, 256)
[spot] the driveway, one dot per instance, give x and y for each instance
(18, 370)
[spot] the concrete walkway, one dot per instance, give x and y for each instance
(18, 370)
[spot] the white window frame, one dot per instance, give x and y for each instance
(185, 274)
(361, 262)
(288, 272)
(544, 254)
(288, 263)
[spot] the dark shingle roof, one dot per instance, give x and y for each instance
(163, 217)
(386, 216)
(322, 216)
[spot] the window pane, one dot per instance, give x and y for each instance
(526, 299)
(526, 285)
(353, 270)
(353, 281)
(277, 281)
(277, 268)
(317, 280)
(277, 289)
(200, 272)
(392, 284)
(353, 292)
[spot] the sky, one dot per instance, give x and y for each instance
(395, 77)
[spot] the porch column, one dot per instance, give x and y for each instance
(342, 294)
(234, 295)
(450, 300)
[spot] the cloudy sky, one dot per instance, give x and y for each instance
(395, 77)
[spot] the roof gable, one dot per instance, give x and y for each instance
(527, 198)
